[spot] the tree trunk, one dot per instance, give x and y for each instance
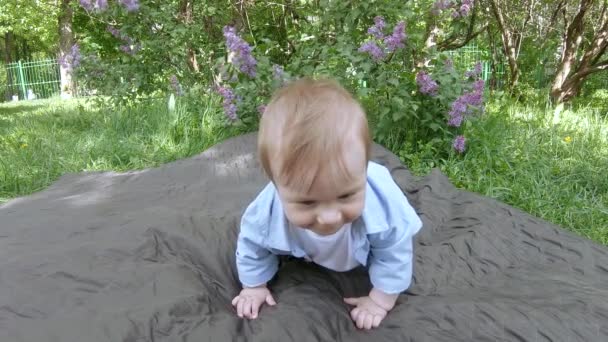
(571, 76)
(186, 17)
(66, 41)
(8, 47)
(493, 81)
(8, 58)
(508, 42)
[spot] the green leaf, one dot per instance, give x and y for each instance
(435, 127)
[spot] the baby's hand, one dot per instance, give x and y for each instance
(367, 313)
(250, 299)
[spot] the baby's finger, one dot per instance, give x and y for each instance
(255, 306)
(247, 308)
(351, 301)
(361, 319)
(377, 320)
(270, 300)
(355, 313)
(367, 323)
(239, 307)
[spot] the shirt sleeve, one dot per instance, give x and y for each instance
(391, 250)
(256, 265)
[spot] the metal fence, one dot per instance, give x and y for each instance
(465, 57)
(30, 80)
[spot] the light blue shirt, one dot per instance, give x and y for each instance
(383, 235)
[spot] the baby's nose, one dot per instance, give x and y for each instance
(328, 217)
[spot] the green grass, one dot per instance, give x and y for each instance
(549, 163)
(41, 140)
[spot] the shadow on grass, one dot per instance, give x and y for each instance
(10, 109)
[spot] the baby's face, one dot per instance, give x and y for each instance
(332, 200)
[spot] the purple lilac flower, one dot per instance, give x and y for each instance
(460, 105)
(478, 86)
(72, 59)
(130, 5)
(458, 111)
(261, 109)
(426, 84)
(442, 4)
(464, 10)
(177, 88)
(464, 104)
(474, 98)
(455, 14)
(87, 5)
(229, 102)
(395, 40)
(278, 73)
(114, 31)
(459, 143)
(101, 5)
(456, 119)
(377, 28)
(76, 56)
(475, 72)
(373, 49)
(241, 50)
(130, 49)
(465, 7)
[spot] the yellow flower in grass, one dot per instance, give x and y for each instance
(23, 145)
(568, 139)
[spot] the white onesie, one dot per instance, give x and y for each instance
(335, 251)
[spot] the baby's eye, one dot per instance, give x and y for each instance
(306, 203)
(346, 196)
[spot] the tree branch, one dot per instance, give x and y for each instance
(444, 46)
(587, 71)
(452, 43)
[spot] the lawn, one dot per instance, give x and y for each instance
(550, 163)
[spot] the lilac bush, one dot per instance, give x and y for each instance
(130, 5)
(373, 49)
(72, 59)
(444, 100)
(456, 10)
(129, 45)
(377, 29)
(102, 5)
(88, 5)
(426, 84)
(245, 83)
(465, 105)
(229, 102)
(475, 72)
(380, 45)
(395, 40)
(459, 143)
(241, 52)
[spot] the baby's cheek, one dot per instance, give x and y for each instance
(353, 211)
(297, 217)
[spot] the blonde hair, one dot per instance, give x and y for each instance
(304, 127)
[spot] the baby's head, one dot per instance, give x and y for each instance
(314, 144)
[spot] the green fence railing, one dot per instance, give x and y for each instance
(465, 58)
(29, 80)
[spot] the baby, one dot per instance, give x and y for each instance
(326, 202)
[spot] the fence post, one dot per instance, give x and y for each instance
(22, 80)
